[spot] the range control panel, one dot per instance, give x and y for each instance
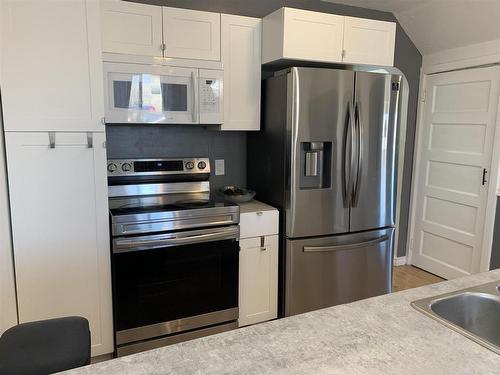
(129, 167)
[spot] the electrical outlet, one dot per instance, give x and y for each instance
(219, 167)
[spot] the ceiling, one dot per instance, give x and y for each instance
(435, 25)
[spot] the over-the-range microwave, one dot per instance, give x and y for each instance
(158, 94)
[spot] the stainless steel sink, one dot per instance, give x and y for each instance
(473, 312)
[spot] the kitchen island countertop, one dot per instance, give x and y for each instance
(380, 335)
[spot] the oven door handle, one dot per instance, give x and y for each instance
(174, 239)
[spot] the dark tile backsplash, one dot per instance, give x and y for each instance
(151, 141)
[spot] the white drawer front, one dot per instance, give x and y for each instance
(260, 223)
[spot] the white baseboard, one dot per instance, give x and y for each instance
(401, 261)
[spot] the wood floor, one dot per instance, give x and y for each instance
(407, 277)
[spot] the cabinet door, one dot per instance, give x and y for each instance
(51, 65)
(131, 28)
(241, 57)
(60, 230)
(312, 35)
(191, 34)
(258, 300)
(369, 41)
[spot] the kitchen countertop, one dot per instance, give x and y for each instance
(380, 335)
(254, 206)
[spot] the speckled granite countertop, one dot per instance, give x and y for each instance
(381, 335)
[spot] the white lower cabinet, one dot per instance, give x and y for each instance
(258, 291)
(60, 229)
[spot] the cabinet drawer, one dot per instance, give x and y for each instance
(260, 223)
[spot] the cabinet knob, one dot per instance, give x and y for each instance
(259, 213)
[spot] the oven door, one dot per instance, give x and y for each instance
(150, 94)
(174, 282)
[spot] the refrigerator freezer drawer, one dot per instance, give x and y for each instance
(328, 271)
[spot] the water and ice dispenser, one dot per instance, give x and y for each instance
(316, 161)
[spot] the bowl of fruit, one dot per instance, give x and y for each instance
(236, 194)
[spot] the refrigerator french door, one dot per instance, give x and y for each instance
(326, 158)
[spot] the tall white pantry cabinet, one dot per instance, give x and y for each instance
(53, 110)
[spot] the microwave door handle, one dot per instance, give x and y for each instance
(194, 87)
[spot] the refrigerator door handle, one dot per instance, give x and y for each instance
(359, 146)
(348, 158)
(324, 249)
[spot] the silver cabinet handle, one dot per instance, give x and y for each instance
(323, 249)
(259, 213)
(194, 83)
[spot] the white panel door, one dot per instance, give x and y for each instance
(51, 65)
(191, 34)
(131, 28)
(454, 150)
(312, 36)
(60, 230)
(258, 298)
(241, 57)
(369, 41)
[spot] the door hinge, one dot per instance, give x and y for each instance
(343, 53)
(424, 96)
(485, 177)
(411, 243)
(163, 47)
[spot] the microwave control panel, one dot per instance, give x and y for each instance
(211, 96)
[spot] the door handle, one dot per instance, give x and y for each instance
(194, 84)
(359, 146)
(485, 179)
(348, 164)
(324, 249)
(169, 240)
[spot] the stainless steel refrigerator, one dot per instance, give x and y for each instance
(326, 157)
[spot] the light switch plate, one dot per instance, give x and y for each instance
(219, 167)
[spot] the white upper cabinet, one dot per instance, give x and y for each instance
(296, 34)
(131, 28)
(155, 31)
(191, 34)
(60, 229)
(369, 41)
(51, 68)
(241, 57)
(301, 34)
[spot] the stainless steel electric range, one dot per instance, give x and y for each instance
(174, 253)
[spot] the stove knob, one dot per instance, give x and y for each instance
(112, 167)
(126, 167)
(202, 165)
(189, 165)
